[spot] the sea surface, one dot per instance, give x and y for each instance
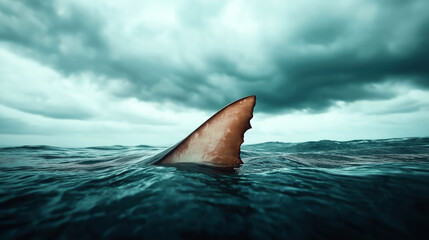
(363, 189)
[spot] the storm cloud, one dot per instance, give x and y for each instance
(294, 56)
(80, 73)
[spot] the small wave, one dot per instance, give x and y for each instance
(108, 148)
(32, 147)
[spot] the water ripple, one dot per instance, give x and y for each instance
(327, 189)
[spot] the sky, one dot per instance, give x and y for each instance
(90, 73)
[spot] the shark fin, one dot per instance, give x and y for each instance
(217, 141)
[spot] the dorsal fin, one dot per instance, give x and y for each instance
(217, 141)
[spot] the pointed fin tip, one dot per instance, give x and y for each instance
(218, 140)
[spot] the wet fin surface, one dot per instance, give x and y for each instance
(217, 141)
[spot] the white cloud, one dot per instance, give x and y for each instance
(404, 116)
(50, 106)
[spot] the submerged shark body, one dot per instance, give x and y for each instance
(217, 141)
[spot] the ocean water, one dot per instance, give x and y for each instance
(363, 189)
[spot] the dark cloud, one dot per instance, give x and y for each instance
(329, 57)
(39, 30)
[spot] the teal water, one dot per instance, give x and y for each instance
(371, 189)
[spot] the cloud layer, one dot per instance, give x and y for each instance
(293, 55)
(79, 73)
